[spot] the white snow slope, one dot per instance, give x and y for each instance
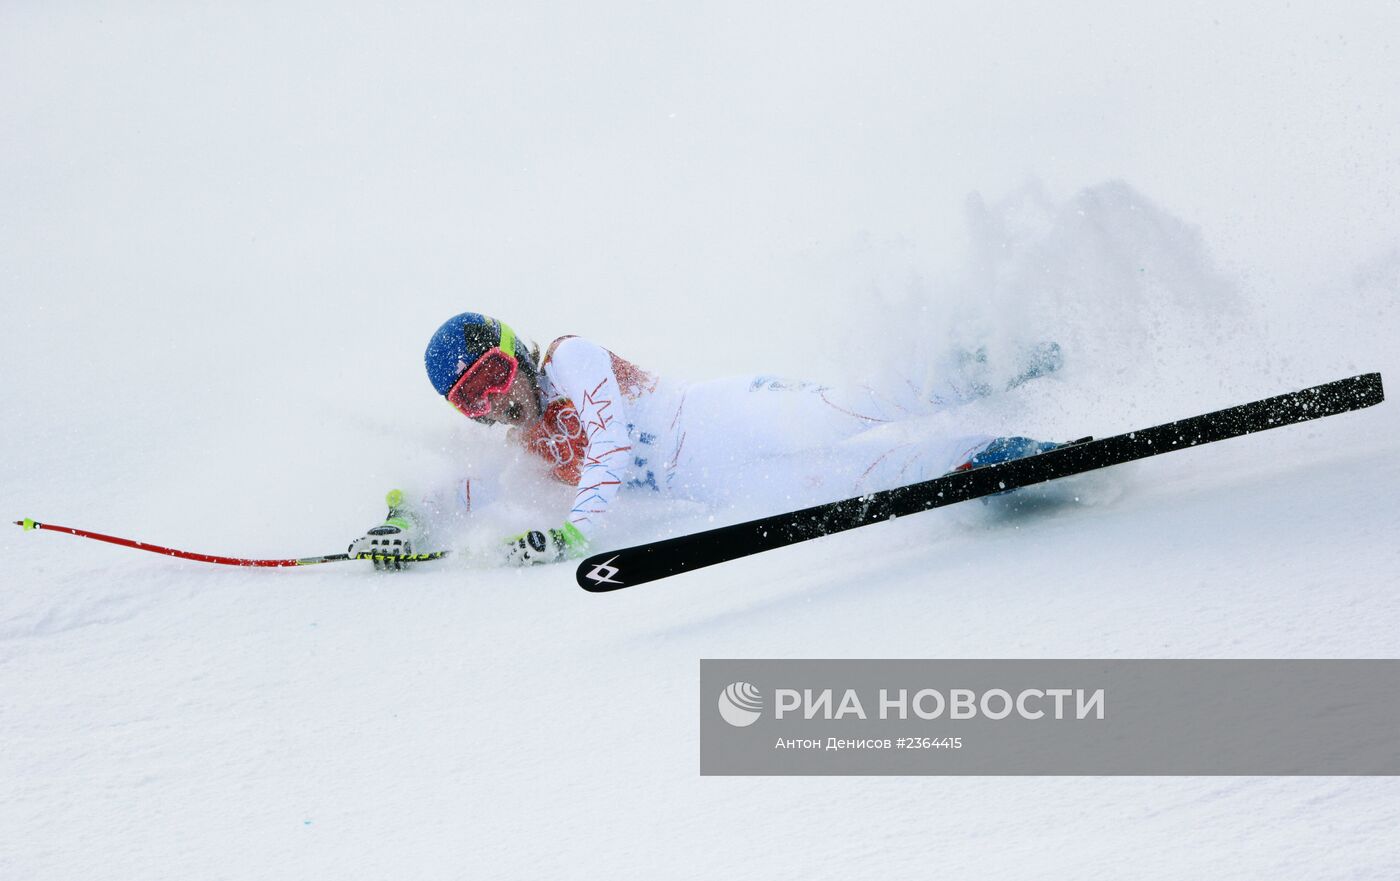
(226, 234)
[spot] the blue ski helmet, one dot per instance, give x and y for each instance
(464, 338)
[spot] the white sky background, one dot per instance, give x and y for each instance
(536, 160)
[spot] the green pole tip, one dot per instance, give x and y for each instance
(394, 498)
(27, 523)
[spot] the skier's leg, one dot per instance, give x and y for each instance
(797, 444)
(868, 462)
(761, 416)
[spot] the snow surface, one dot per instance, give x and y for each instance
(227, 233)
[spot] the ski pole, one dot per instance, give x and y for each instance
(29, 524)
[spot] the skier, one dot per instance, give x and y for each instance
(602, 424)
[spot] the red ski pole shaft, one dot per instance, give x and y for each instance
(28, 523)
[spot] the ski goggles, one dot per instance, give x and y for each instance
(490, 375)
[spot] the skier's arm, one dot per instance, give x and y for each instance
(417, 526)
(584, 372)
(395, 543)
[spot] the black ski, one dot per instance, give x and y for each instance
(614, 570)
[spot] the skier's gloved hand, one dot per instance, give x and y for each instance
(547, 546)
(392, 544)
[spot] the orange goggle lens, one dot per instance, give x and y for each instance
(491, 374)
